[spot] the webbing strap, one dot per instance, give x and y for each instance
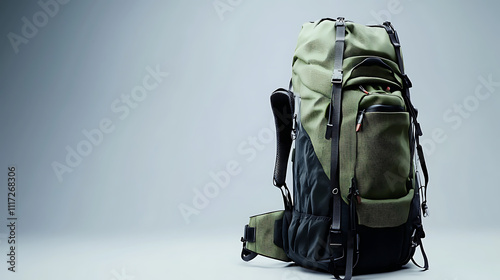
(416, 241)
(419, 232)
(333, 127)
(333, 133)
(393, 36)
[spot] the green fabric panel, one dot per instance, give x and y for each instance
(381, 97)
(313, 107)
(373, 75)
(312, 70)
(384, 213)
(264, 236)
(347, 143)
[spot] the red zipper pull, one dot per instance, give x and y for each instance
(360, 120)
(363, 89)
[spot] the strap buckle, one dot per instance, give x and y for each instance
(340, 21)
(294, 127)
(335, 243)
(406, 81)
(248, 236)
(337, 76)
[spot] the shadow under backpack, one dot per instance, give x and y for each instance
(357, 197)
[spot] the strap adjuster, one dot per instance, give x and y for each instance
(335, 238)
(248, 234)
(406, 81)
(337, 76)
(340, 21)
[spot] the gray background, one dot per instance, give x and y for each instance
(117, 214)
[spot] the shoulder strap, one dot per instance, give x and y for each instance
(282, 104)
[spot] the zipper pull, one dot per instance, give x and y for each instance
(363, 89)
(360, 120)
(354, 192)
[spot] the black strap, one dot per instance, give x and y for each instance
(420, 152)
(246, 254)
(282, 104)
(417, 236)
(248, 236)
(413, 112)
(419, 232)
(333, 125)
(333, 133)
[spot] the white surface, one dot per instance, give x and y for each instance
(453, 256)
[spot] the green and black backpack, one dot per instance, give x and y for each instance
(358, 200)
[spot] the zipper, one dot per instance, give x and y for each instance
(387, 90)
(376, 108)
(385, 108)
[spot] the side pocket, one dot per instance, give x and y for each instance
(383, 213)
(308, 240)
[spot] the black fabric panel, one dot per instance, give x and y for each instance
(310, 222)
(380, 249)
(278, 236)
(312, 191)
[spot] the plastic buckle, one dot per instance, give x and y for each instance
(389, 27)
(335, 238)
(248, 234)
(425, 209)
(406, 81)
(392, 33)
(294, 127)
(340, 21)
(337, 76)
(335, 242)
(414, 244)
(416, 236)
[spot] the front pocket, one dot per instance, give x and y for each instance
(384, 213)
(383, 152)
(383, 165)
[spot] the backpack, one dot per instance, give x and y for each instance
(358, 199)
